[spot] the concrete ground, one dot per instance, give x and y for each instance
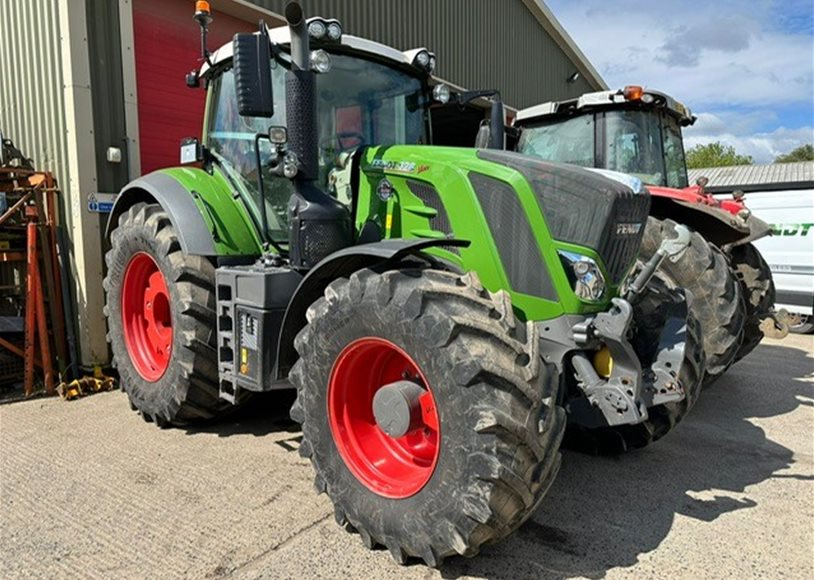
(89, 490)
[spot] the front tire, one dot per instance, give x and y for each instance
(498, 426)
(757, 284)
(161, 320)
(717, 302)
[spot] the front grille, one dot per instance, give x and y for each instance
(618, 250)
(584, 208)
(513, 236)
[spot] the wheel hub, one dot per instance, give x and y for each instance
(383, 417)
(397, 408)
(146, 318)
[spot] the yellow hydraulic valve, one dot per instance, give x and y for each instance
(603, 362)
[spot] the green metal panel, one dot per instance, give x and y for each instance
(447, 170)
(232, 229)
(480, 43)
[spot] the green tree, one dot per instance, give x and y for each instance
(801, 153)
(715, 155)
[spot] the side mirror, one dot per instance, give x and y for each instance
(252, 62)
(497, 126)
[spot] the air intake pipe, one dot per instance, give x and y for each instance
(318, 224)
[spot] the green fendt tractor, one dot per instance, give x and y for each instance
(440, 311)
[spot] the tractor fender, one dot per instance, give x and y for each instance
(193, 233)
(337, 265)
(715, 224)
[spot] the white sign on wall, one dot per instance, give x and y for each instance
(101, 202)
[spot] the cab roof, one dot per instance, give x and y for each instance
(281, 35)
(603, 100)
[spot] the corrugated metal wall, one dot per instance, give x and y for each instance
(32, 106)
(46, 107)
(480, 43)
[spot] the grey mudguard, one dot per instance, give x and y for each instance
(157, 187)
(341, 263)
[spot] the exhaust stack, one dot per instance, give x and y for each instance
(318, 224)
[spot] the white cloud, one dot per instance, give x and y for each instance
(745, 67)
(762, 146)
(705, 54)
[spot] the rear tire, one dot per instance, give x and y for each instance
(757, 284)
(184, 389)
(717, 300)
(649, 315)
(499, 424)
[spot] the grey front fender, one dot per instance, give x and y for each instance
(157, 187)
(337, 265)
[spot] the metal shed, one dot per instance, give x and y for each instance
(769, 177)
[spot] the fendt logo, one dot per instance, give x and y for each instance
(791, 229)
(628, 229)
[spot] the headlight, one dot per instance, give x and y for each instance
(334, 30)
(441, 93)
(320, 61)
(422, 59)
(584, 274)
(316, 29)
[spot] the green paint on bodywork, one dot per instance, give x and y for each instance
(447, 169)
(404, 215)
(232, 229)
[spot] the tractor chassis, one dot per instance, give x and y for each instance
(623, 397)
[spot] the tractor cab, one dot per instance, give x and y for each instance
(630, 131)
(366, 93)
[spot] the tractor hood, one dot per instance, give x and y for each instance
(517, 209)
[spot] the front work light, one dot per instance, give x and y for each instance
(278, 135)
(317, 29)
(584, 274)
(334, 30)
(441, 93)
(322, 29)
(320, 61)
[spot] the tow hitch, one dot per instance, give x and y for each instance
(628, 390)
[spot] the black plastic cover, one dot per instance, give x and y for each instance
(516, 243)
(252, 57)
(585, 208)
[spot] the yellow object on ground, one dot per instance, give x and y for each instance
(86, 386)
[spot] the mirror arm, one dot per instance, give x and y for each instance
(267, 238)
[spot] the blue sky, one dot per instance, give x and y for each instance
(745, 68)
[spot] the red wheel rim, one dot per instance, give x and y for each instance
(390, 467)
(146, 319)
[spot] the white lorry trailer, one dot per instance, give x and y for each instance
(781, 194)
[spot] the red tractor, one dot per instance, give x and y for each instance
(638, 132)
